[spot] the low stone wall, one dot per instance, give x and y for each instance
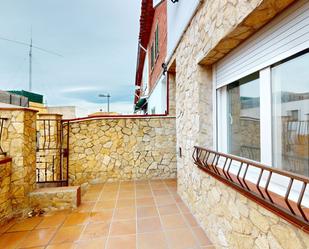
(116, 149)
(53, 199)
(232, 220)
(5, 190)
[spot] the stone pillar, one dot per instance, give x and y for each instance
(172, 93)
(19, 140)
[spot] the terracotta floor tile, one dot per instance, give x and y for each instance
(190, 219)
(126, 195)
(146, 212)
(123, 228)
(143, 193)
(62, 246)
(39, 237)
(86, 206)
(168, 209)
(122, 242)
(57, 212)
(12, 240)
(26, 224)
(91, 244)
(52, 221)
(158, 186)
(108, 196)
(139, 187)
(102, 216)
(172, 181)
(67, 234)
(177, 198)
(145, 202)
(141, 182)
(172, 189)
(128, 188)
(201, 237)
(164, 200)
(107, 204)
(96, 187)
(91, 197)
(37, 247)
(149, 225)
(77, 219)
(183, 208)
(125, 213)
(160, 192)
(181, 239)
(95, 230)
(174, 221)
(7, 226)
(110, 188)
(155, 240)
(125, 203)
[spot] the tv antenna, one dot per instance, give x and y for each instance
(31, 47)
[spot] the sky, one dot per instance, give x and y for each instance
(98, 43)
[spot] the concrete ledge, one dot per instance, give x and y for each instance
(60, 198)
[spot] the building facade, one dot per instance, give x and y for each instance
(151, 80)
(241, 88)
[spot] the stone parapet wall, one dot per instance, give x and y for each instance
(5, 190)
(116, 149)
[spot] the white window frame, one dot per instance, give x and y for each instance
(279, 183)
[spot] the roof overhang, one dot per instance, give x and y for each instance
(146, 19)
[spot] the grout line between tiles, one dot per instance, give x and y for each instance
(188, 224)
(164, 233)
(112, 219)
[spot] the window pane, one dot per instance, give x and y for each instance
(244, 117)
(290, 86)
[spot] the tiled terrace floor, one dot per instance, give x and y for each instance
(143, 215)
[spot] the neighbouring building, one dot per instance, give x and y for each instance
(13, 99)
(35, 100)
(67, 112)
(151, 81)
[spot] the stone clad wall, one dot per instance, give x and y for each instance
(230, 220)
(19, 141)
(5, 190)
(116, 149)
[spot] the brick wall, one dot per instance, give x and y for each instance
(160, 18)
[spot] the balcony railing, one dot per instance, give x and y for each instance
(259, 183)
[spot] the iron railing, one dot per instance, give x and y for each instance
(2, 120)
(52, 158)
(234, 172)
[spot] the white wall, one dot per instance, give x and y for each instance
(157, 99)
(145, 79)
(178, 17)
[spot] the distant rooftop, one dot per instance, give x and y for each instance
(32, 97)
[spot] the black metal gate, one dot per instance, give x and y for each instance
(52, 153)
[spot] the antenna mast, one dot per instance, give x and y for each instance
(31, 46)
(30, 66)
